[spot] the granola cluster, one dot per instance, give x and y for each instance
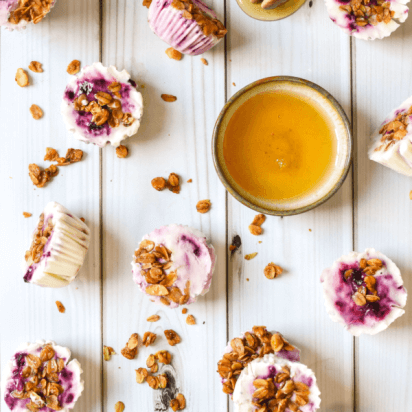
(275, 393)
(172, 183)
(41, 377)
(131, 348)
(255, 227)
(208, 25)
(251, 346)
(105, 108)
(366, 292)
(394, 130)
(144, 375)
(30, 10)
(40, 238)
(154, 261)
(364, 12)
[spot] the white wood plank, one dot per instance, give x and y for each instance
(174, 137)
(28, 312)
(305, 45)
(383, 81)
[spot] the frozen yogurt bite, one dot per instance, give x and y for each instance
(41, 378)
(392, 142)
(274, 384)
(174, 265)
(368, 19)
(17, 14)
(364, 292)
(58, 248)
(189, 26)
(249, 346)
(102, 105)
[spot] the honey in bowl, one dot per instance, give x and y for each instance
(279, 145)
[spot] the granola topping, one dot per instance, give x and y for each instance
(122, 151)
(149, 338)
(36, 112)
(251, 346)
(36, 67)
(179, 403)
(60, 307)
(203, 206)
(190, 320)
(172, 183)
(272, 271)
(73, 67)
(131, 348)
(208, 25)
(30, 10)
(40, 238)
(108, 352)
(174, 54)
(168, 98)
(22, 78)
(172, 337)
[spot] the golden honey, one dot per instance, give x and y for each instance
(279, 146)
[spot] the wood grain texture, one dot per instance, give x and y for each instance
(174, 137)
(305, 45)
(383, 217)
(28, 312)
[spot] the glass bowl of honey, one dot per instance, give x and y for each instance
(282, 145)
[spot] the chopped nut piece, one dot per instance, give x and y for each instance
(141, 375)
(153, 318)
(149, 338)
(130, 350)
(190, 320)
(119, 407)
(159, 183)
(255, 230)
(36, 112)
(184, 311)
(168, 98)
(164, 357)
(73, 67)
(172, 337)
(60, 307)
(27, 214)
(22, 78)
(204, 61)
(174, 54)
(250, 256)
(122, 151)
(272, 271)
(35, 67)
(203, 206)
(108, 352)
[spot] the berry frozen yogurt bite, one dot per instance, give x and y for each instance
(17, 14)
(274, 384)
(174, 265)
(189, 26)
(102, 105)
(249, 346)
(40, 378)
(392, 142)
(364, 292)
(58, 249)
(368, 19)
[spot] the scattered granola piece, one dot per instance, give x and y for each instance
(250, 256)
(73, 156)
(159, 183)
(190, 320)
(255, 230)
(119, 407)
(174, 54)
(203, 206)
(51, 154)
(410, 195)
(22, 78)
(234, 84)
(153, 318)
(27, 214)
(40, 177)
(130, 350)
(236, 244)
(163, 381)
(204, 61)
(184, 311)
(60, 306)
(122, 151)
(36, 67)
(190, 181)
(179, 403)
(36, 112)
(272, 271)
(153, 382)
(259, 219)
(164, 357)
(147, 3)
(168, 98)
(149, 338)
(172, 337)
(73, 67)
(141, 375)
(108, 352)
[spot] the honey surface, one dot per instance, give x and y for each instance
(278, 146)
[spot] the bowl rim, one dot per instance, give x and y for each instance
(339, 110)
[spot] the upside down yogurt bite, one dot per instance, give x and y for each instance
(392, 143)
(102, 105)
(272, 384)
(39, 377)
(368, 19)
(364, 292)
(249, 346)
(17, 14)
(58, 249)
(174, 265)
(189, 26)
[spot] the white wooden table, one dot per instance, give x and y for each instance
(104, 306)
